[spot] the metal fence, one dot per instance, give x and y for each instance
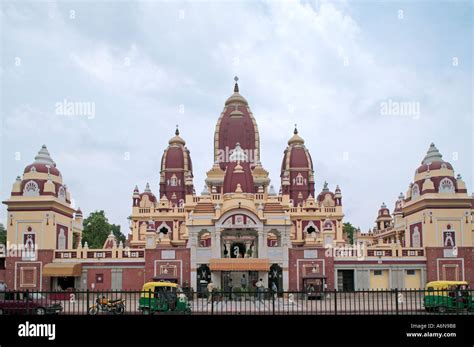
(332, 302)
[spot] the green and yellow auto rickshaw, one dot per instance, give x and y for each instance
(444, 296)
(163, 297)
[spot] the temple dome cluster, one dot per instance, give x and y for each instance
(434, 175)
(240, 223)
(40, 178)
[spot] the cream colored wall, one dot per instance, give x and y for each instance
(379, 282)
(432, 228)
(45, 237)
(413, 281)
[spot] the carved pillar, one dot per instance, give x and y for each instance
(217, 244)
(339, 230)
(261, 245)
(227, 245)
(299, 230)
(247, 246)
(193, 243)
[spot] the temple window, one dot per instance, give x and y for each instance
(446, 186)
(62, 239)
(174, 181)
(62, 193)
(416, 238)
(205, 239)
(31, 189)
(299, 180)
(273, 239)
(415, 191)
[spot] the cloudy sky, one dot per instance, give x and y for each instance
(331, 67)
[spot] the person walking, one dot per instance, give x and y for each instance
(210, 289)
(274, 290)
(243, 282)
(230, 285)
(3, 288)
(260, 288)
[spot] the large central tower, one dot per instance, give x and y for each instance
(237, 150)
(236, 125)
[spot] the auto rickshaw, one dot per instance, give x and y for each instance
(163, 297)
(443, 296)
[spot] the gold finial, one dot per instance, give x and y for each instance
(296, 130)
(177, 130)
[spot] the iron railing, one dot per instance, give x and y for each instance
(331, 302)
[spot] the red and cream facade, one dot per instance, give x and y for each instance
(239, 225)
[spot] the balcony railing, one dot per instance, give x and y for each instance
(114, 253)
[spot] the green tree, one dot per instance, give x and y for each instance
(349, 230)
(97, 228)
(3, 235)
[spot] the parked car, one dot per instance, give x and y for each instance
(28, 303)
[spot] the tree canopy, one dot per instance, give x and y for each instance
(349, 230)
(3, 235)
(97, 228)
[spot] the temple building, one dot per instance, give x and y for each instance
(239, 228)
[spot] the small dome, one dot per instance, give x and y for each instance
(176, 155)
(236, 97)
(295, 139)
(148, 193)
(111, 241)
(432, 155)
(43, 163)
(324, 192)
(399, 203)
(296, 155)
(176, 139)
(384, 211)
(433, 160)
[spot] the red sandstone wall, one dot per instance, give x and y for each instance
(435, 262)
(297, 264)
(133, 279)
(14, 267)
(182, 262)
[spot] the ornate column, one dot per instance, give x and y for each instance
(247, 246)
(216, 246)
(193, 244)
(227, 245)
(299, 230)
(261, 245)
(339, 230)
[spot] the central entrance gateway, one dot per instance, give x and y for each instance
(239, 279)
